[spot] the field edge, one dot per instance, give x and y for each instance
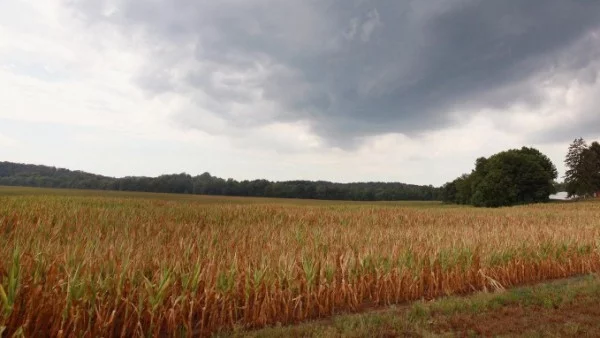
(505, 313)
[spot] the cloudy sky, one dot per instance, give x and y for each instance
(341, 90)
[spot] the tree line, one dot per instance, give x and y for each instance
(16, 174)
(511, 177)
(521, 176)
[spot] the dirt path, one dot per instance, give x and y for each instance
(580, 318)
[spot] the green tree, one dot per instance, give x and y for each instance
(464, 189)
(448, 192)
(582, 177)
(516, 176)
(594, 154)
(559, 186)
(496, 189)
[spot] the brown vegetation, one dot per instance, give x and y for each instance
(130, 267)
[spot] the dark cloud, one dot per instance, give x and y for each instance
(587, 127)
(586, 124)
(355, 68)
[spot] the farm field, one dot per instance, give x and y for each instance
(93, 263)
(563, 308)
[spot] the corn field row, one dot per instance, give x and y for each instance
(121, 267)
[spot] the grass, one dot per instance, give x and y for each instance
(433, 318)
(204, 199)
(97, 263)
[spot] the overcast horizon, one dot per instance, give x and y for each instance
(343, 91)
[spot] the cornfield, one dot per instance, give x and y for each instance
(118, 266)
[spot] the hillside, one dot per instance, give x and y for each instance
(18, 174)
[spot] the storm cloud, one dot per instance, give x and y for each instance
(350, 69)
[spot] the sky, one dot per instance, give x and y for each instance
(343, 90)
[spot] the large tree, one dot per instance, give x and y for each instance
(582, 177)
(594, 150)
(516, 176)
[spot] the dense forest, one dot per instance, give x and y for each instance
(16, 174)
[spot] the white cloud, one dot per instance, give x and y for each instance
(69, 96)
(6, 141)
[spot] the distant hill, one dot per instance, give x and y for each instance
(29, 175)
(18, 174)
